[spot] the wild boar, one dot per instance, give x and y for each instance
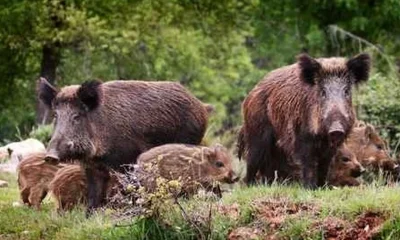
(106, 125)
(345, 168)
(69, 188)
(370, 149)
(193, 166)
(298, 115)
(34, 176)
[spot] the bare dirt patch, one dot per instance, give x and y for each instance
(232, 211)
(271, 213)
(243, 233)
(366, 226)
(275, 211)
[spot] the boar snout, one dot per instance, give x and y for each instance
(52, 156)
(396, 167)
(231, 178)
(336, 133)
(70, 145)
(358, 171)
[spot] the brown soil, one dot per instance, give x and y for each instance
(269, 215)
(275, 211)
(244, 233)
(231, 211)
(366, 226)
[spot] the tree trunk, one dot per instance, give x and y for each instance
(51, 55)
(50, 61)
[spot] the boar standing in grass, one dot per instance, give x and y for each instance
(297, 117)
(69, 187)
(106, 125)
(194, 167)
(345, 168)
(370, 149)
(34, 177)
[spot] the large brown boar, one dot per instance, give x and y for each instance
(344, 168)
(69, 187)
(106, 125)
(194, 166)
(370, 149)
(34, 176)
(298, 115)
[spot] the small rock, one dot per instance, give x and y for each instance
(3, 184)
(16, 204)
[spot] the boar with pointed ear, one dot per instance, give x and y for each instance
(298, 115)
(106, 125)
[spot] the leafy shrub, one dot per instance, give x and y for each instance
(42, 133)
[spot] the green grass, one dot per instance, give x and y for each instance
(21, 222)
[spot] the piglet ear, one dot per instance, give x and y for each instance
(369, 130)
(359, 66)
(89, 94)
(46, 91)
(309, 68)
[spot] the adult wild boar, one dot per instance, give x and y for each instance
(298, 115)
(106, 125)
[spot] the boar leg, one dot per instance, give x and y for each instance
(217, 191)
(25, 192)
(323, 170)
(36, 196)
(308, 166)
(258, 155)
(97, 179)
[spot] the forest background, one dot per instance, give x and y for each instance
(217, 49)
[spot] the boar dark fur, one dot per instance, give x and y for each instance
(106, 125)
(297, 116)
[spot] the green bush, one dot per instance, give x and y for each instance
(42, 133)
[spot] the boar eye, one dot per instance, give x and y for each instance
(345, 159)
(347, 92)
(76, 118)
(323, 93)
(219, 164)
(380, 147)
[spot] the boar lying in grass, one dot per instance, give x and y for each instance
(345, 168)
(194, 167)
(370, 149)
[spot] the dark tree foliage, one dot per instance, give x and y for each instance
(218, 49)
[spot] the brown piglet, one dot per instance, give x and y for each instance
(34, 176)
(193, 166)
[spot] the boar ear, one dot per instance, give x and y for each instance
(360, 66)
(209, 108)
(217, 147)
(369, 129)
(46, 91)
(89, 94)
(359, 123)
(309, 68)
(209, 153)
